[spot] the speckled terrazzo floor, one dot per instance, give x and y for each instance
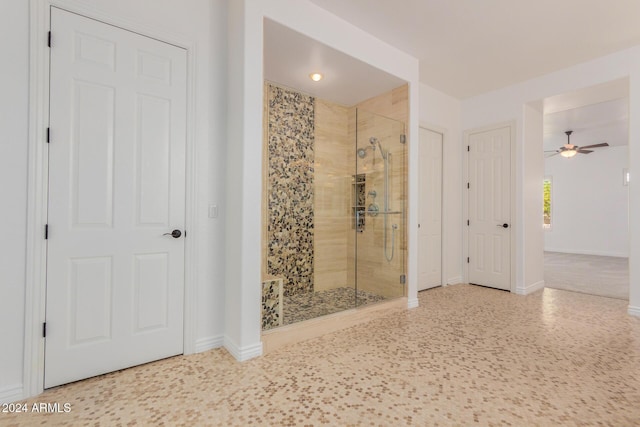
(467, 356)
(309, 305)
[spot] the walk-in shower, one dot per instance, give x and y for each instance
(334, 221)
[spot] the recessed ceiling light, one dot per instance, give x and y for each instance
(316, 77)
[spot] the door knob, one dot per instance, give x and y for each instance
(175, 234)
(505, 225)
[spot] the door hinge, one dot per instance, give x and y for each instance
(48, 135)
(468, 148)
(44, 330)
(49, 39)
(46, 231)
(403, 139)
(467, 260)
(468, 185)
(403, 279)
(467, 222)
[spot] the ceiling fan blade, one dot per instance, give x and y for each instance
(551, 155)
(585, 151)
(604, 144)
(550, 151)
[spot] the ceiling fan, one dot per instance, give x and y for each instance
(570, 150)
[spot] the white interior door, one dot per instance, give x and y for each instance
(115, 283)
(490, 208)
(430, 231)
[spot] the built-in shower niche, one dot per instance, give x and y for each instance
(322, 246)
(359, 201)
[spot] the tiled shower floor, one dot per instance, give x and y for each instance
(309, 305)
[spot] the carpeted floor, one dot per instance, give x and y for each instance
(466, 356)
(589, 274)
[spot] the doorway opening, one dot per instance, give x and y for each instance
(586, 240)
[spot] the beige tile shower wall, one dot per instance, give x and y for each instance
(375, 273)
(393, 104)
(332, 182)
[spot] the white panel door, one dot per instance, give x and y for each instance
(115, 282)
(490, 208)
(430, 225)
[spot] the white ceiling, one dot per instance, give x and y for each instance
(596, 114)
(289, 58)
(456, 42)
(593, 124)
(468, 47)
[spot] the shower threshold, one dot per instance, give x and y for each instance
(274, 339)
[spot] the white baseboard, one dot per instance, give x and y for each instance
(530, 289)
(242, 353)
(634, 311)
(11, 394)
(455, 280)
(581, 252)
(412, 303)
(209, 343)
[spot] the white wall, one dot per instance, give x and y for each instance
(508, 104)
(212, 168)
(202, 23)
(441, 112)
(14, 96)
(245, 132)
(531, 275)
(589, 203)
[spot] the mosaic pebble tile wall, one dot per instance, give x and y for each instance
(271, 304)
(290, 228)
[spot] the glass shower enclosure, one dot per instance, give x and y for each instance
(379, 190)
(334, 235)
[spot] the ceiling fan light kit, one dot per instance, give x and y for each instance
(569, 150)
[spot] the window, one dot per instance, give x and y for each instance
(546, 198)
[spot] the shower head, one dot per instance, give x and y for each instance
(374, 141)
(362, 152)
